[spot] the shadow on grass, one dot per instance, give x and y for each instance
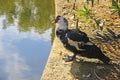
(95, 71)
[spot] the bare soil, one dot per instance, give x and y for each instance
(84, 68)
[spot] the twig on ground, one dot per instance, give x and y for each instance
(97, 75)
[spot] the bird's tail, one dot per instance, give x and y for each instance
(104, 59)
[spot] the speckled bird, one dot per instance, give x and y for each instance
(77, 42)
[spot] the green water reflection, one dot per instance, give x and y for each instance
(28, 14)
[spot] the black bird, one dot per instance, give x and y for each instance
(77, 42)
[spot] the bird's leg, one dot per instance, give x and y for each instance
(69, 58)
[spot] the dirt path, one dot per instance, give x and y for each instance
(84, 68)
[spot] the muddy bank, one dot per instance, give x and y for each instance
(84, 68)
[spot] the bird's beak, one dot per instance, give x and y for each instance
(53, 21)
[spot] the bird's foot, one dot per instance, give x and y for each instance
(69, 58)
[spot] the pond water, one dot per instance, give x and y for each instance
(25, 38)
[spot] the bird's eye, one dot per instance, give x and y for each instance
(64, 19)
(60, 30)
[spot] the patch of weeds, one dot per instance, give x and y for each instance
(85, 12)
(115, 7)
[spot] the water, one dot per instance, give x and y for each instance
(25, 38)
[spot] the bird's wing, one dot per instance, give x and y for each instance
(77, 35)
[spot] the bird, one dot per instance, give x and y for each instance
(100, 23)
(77, 42)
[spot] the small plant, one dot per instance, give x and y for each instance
(115, 7)
(114, 2)
(68, 0)
(92, 2)
(85, 12)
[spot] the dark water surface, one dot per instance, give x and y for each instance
(25, 38)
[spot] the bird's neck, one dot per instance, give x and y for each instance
(62, 26)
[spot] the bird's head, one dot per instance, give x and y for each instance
(62, 22)
(57, 19)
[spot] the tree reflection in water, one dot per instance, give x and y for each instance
(28, 14)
